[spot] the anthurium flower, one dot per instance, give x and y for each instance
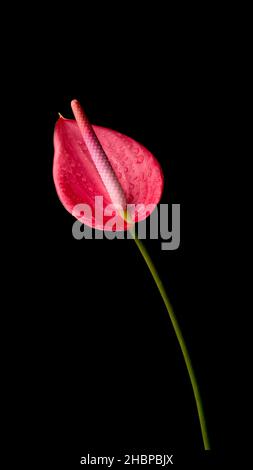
(92, 161)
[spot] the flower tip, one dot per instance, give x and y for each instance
(74, 103)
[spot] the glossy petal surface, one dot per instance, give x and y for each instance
(77, 180)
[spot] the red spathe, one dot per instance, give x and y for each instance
(77, 180)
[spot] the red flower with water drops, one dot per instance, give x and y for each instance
(92, 161)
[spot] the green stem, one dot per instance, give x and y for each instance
(180, 338)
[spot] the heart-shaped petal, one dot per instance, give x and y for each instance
(78, 182)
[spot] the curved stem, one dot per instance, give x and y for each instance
(180, 338)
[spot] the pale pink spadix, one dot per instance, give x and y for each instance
(99, 157)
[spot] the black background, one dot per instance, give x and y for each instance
(107, 375)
